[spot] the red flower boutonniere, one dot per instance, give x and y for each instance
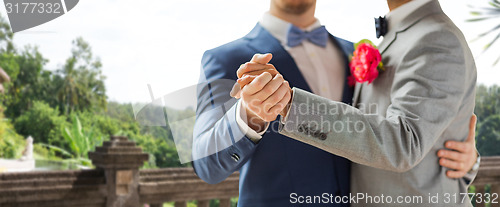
(366, 63)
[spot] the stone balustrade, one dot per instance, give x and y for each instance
(489, 174)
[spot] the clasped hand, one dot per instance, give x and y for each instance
(263, 91)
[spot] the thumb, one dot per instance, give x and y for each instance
(472, 128)
(235, 91)
(262, 58)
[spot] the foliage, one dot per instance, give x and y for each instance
(43, 123)
(11, 143)
(6, 36)
(82, 87)
(488, 136)
(41, 152)
(28, 80)
(80, 142)
(155, 140)
(488, 128)
(489, 13)
(487, 101)
(77, 86)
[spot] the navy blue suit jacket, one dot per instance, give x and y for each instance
(277, 166)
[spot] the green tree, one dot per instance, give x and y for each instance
(488, 136)
(6, 37)
(27, 80)
(82, 87)
(43, 123)
(488, 113)
(487, 101)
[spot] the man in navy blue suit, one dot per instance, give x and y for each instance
(229, 136)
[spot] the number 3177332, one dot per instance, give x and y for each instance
(33, 8)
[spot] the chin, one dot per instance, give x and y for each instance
(295, 6)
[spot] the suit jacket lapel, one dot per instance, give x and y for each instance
(427, 9)
(432, 7)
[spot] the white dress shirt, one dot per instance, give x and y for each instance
(322, 68)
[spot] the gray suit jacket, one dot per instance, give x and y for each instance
(423, 98)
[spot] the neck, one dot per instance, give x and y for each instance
(393, 4)
(303, 20)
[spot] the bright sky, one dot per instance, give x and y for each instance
(161, 42)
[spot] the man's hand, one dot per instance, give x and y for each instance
(265, 97)
(250, 70)
(461, 156)
(263, 91)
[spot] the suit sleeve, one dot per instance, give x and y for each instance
(428, 90)
(219, 146)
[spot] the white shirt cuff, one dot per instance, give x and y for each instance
(249, 132)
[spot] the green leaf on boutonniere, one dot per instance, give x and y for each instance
(364, 41)
(380, 66)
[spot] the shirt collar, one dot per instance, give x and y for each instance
(396, 16)
(279, 28)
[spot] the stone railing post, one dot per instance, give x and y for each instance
(120, 159)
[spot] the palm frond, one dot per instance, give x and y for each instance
(496, 61)
(480, 19)
(495, 3)
(486, 33)
(487, 46)
(488, 14)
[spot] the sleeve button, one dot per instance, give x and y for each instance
(322, 136)
(235, 157)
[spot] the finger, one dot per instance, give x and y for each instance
(284, 111)
(249, 77)
(282, 104)
(454, 165)
(269, 89)
(275, 98)
(245, 80)
(455, 174)
(235, 91)
(463, 147)
(262, 58)
(452, 155)
(260, 82)
(472, 129)
(251, 67)
(287, 84)
(272, 71)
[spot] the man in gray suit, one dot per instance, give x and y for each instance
(424, 97)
